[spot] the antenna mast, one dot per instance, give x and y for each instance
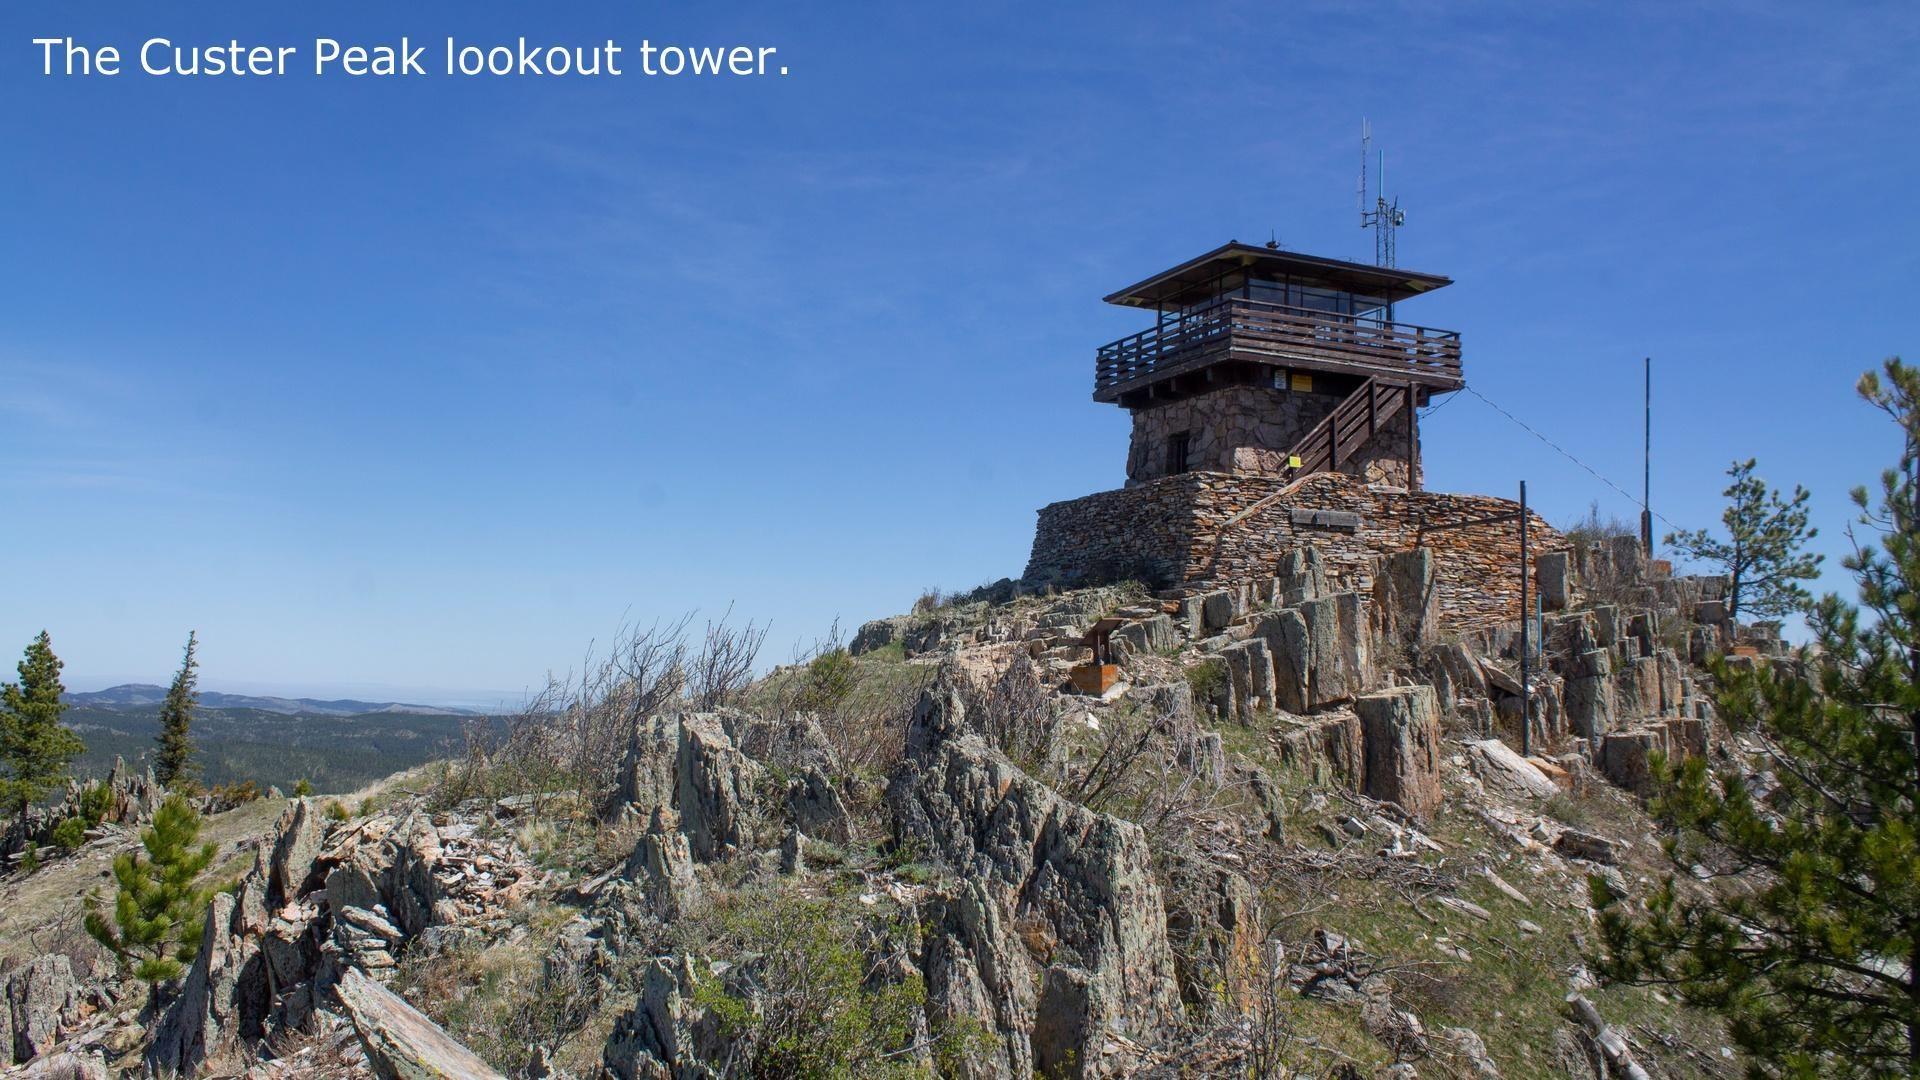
(1382, 217)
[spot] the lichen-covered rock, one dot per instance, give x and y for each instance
(1405, 600)
(36, 1002)
(400, 1042)
(659, 1038)
(1079, 880)
(1401, 733)
(1214, 927)
(1285, 634)
(713, 787)
(662, 864)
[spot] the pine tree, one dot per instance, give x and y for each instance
(1805, 931)
(174, 763)
(35, 749)
(1762, 552)
(159, 913)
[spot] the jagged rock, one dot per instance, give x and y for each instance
(295, 842)
(1026, 853)
(400, 1042)
(221, 1000)
(1285, 634)
(36, 1001)
(657, 1038)
(792, 743)
(817, 808)
(714, 787)
(1400, 729)
(662, 864)
(693, 765)
(1468, 1044)
(1214, 925)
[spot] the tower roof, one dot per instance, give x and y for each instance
(1389, 283)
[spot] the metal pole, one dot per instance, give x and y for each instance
(1646, 477)
(1526, 710)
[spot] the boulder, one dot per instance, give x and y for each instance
(400, 1042)
(1400, 729)
(1497, 763)
(714, 787)
(877, 634)
(1214, 923)
(1639, 688)
(65, 1065)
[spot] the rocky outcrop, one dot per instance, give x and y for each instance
(1400, 730)
(660, 1037)
(401, 1043)
(37, 1001)
(1053, 896)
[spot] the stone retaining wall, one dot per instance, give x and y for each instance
(1175, 532)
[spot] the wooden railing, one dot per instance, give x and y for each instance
(1342, 432)
(1316, 339)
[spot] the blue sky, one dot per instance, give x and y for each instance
(414, 387)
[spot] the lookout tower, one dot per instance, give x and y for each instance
(1268, 362)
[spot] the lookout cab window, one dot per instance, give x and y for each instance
(1177, 452)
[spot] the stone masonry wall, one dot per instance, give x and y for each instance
(1174, 531)
(1249, 429)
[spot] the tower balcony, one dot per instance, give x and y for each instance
(1243, 330)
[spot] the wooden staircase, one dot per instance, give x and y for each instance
(1348, 427)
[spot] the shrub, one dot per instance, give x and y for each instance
(302, 788)
(71, 833)
(96, 800)
(337, 811)
(802, 1003)
(827, 681)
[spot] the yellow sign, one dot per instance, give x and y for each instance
(1293, 461)
(1300, 382)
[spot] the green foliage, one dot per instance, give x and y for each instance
(96, 799)
(803, 1005)
(71, 833)
(828, 680)
(159, 912)
(1811, 946)
(30, 860)
(337, 811)
(302, 788)
(1762, 551)
(173, 762)
(1206, 680)
(35, 748)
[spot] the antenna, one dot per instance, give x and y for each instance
(1382, 217)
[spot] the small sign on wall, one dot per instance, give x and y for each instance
(1298, 382)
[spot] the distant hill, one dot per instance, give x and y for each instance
(278, 742)
(143, 694)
